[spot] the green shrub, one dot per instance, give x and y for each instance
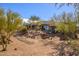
(68, 28)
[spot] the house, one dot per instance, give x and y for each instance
(48, 27)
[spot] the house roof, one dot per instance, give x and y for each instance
(49, 23)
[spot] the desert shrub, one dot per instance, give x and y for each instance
(61, 27)
(68, 29)
(23, 30)
(75, 46)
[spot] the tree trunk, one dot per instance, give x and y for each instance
(4, 43)
(4, 46)
(8, 37)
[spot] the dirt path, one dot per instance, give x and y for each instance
(31, 47)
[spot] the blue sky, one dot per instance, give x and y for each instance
(43, 10)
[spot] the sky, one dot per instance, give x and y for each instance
(44, 10)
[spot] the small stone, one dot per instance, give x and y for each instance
(15, 48)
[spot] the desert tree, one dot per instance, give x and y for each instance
(33, 18)
(9, 23)
(67, 27)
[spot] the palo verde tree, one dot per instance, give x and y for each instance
(2, 28)
(13, 22)
(9, 23)
(67, 26)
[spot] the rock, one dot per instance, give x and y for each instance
(77, 36)
(15, 48)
